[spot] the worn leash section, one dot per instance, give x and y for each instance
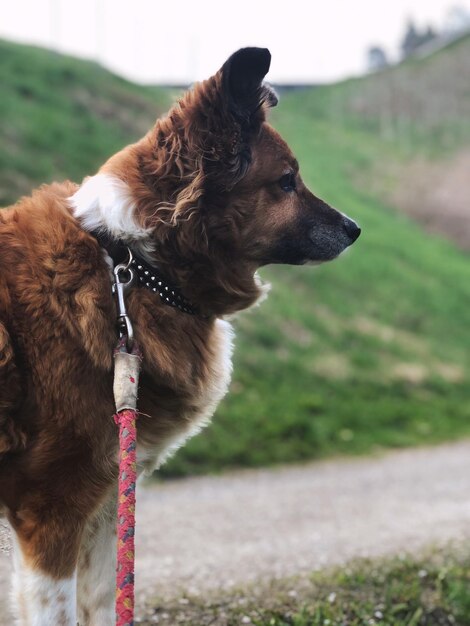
(126, 516)
(127, 362)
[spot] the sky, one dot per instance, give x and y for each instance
(179, 41)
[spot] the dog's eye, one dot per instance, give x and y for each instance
(287, 182)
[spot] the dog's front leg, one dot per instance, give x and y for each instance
(97, 568)
(40, 596)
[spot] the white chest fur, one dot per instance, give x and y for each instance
(211, 393)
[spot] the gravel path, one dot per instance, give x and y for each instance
(214, 532)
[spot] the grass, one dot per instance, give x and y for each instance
(63, 117)
(431, 591)
(366, 353)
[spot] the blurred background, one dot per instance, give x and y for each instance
(368, 353)
(371, 351)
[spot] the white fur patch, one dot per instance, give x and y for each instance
(41, 600)
(97, 568)
(110, 263)
(264, 288)
(212, 393)
(104, 203)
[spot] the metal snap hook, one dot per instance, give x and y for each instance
(123, 280)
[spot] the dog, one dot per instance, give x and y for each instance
(208, 196)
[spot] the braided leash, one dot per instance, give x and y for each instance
(127, 362)
(126, 518)
(126, 380)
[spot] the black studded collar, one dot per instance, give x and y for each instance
(147, 275)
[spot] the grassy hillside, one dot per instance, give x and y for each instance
(421, 106)
(60, 117)
(369, 351)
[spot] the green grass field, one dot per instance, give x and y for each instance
(431, 591)
(61, 117)
(366, 353)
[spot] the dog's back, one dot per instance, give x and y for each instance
(41, 247)
(12, 436)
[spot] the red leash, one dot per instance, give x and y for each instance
(127, 361)
(126, 517)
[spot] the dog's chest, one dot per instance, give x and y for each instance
(171, 415)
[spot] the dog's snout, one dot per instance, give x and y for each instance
(352, 229)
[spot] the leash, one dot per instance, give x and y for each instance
(127, 363)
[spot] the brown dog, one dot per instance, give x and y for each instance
(208, 196)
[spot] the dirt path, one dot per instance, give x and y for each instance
(214, 532)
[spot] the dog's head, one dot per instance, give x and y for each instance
(276, 218)
(221, 191)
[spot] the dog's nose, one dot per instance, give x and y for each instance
(352, 229)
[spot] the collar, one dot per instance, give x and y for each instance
(147, 275)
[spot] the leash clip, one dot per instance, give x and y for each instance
(123, 280)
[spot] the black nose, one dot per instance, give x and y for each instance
(352, 229)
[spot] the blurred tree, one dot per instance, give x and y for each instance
(411, 40)
(376, 59)
(414, 38)
(428, 35)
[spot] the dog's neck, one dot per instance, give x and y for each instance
(220, 290)
(106, 204)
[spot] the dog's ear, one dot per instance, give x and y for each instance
(243, 75)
